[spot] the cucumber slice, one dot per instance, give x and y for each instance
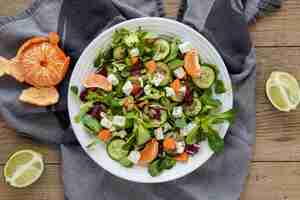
(115, 149)
(162, 49)
(194, 109)
(125, 162)
(206, 78)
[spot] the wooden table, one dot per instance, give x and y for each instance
(275, 168)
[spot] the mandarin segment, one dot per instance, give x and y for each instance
(40, 96)
(12, 68)
(97, 81)
(191, 63)
(149, 153)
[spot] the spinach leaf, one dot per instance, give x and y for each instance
(220, 87)
(84, 108)
(154, 168)
(91, 123)
(175, 64)
(167, 163)
(215, 142)
(74, 89)
(180, 123)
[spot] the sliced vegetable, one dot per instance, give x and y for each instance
(161, 48)
(206, 79)
(115, 149)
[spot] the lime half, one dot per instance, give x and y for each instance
(23, 168)
(283, 91)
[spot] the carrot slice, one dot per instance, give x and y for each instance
(134, 60)
(149, 153)
(176, 86)
(97, 81)
(169, 144)
(191, 63)
(183, 157)
(151, 66)
(105, 135)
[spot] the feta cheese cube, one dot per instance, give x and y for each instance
(179, 72)
(157, 79)
(134, 52)
(166, 127)
(182, 90)
(134, 156)
(177, 112)
(121, 134)
(106, 123)
(119, 121)
(180, 146)
(187, 129)
(147, 89)
(103, 114)
(170, 92)
(159, 133)
(185, 47)
(127, 88)
(113, 79)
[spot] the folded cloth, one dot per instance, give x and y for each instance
(223, 22)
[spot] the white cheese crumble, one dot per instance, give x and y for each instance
(134, 52)
(180, 146)
(119, 121)
(177, 111)
(106, 123)
(187, 129)
(127, 88)
(157, 79)
(134, 156)
(147, 89)
(185, 47)
(179, 72)
(121, 134)
(182, 90)
(158, 132)
(170, 92)
(166, 127)
(113, 79)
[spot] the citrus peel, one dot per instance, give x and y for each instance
(44, 96)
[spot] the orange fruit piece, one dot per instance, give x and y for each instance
(40, 96)
(176, 86)
(134, 60)
(191, 63)
(151, 66)
(43, 62)
(183, 157)
(169, 144)
(105, 135)
(12, 68)
(149, 153)
(97, 81)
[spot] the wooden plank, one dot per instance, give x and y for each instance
(171, 7)
(273, 181)
(10, 8)
(11, 142)
(48, 187)
(278, 137)
(281, 28)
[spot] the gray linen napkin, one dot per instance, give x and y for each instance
(223, 22)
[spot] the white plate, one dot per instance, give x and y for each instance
(84, 66)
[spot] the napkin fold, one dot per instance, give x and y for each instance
(223, 22)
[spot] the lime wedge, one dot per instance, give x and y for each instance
(283, 91)
(23, 168)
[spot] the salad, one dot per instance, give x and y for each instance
(150, 101)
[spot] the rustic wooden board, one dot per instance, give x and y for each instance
(281, 29)
(270, 181)
(48, 187)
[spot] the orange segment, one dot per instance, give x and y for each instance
(97, 81)
(151, 66)
(169, 144)
(191, 63)
(149, 153)
(176, 86)
(40, 96)
(183, 157)
(105, 135)
(134, 60)
(43, 62)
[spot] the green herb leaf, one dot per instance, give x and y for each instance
(215, 142)
(91, 123)
(84, 108)
(167, 163)
(175, 64)
(180, 123)
(154, 168)
(219, 87)
(74, 89)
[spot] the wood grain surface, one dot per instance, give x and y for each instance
(275, 169)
